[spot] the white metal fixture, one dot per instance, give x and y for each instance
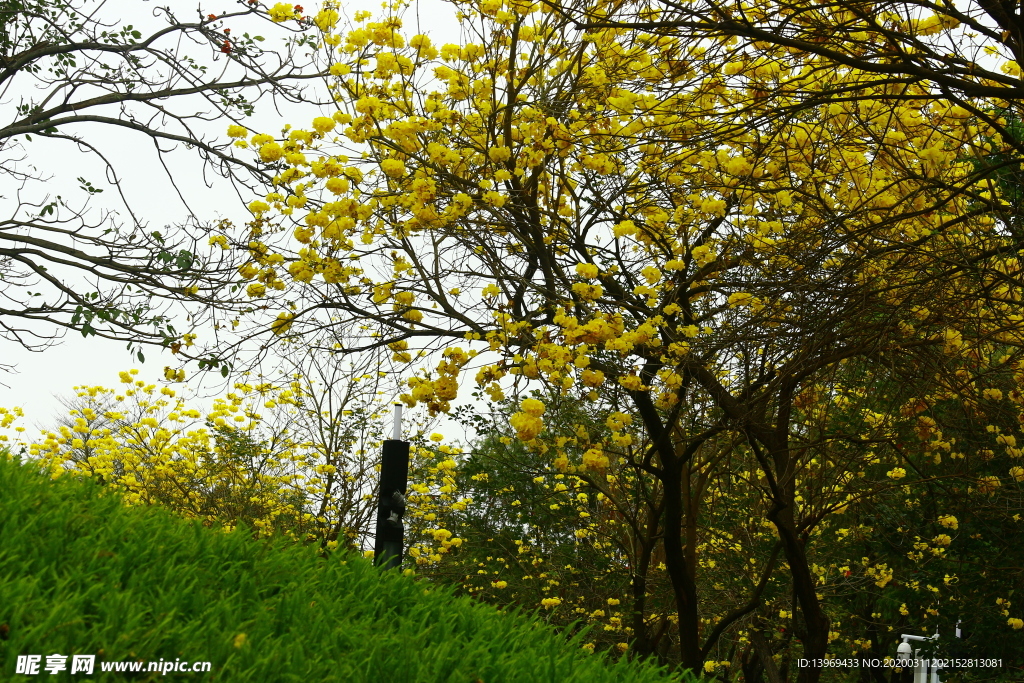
(923, 671)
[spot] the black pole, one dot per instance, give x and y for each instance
(394, 480)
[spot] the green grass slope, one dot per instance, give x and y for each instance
(82, 574)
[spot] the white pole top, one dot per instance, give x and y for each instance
(397, 433)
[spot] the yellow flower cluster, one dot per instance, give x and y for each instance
(236, 462)
(527, 422)
(282, 12)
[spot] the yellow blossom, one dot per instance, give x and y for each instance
(271, 152)
(281, 12)
(282, 324)
(323, 124)
(532, 406)
(393, 168)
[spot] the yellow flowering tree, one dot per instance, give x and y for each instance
(690, 234)
(294, 456)
(892, 505)
(953, 502)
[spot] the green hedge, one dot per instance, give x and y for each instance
(82, 574)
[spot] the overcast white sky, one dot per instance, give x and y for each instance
(39, 378)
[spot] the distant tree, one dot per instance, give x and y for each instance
(296, 455)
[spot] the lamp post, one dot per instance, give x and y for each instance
(394, 480)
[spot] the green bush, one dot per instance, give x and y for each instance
(82, 574)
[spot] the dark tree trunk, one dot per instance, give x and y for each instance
(683, 584)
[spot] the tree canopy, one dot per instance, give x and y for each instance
(694, 231)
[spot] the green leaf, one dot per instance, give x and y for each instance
(185, 259)
(142, 359)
